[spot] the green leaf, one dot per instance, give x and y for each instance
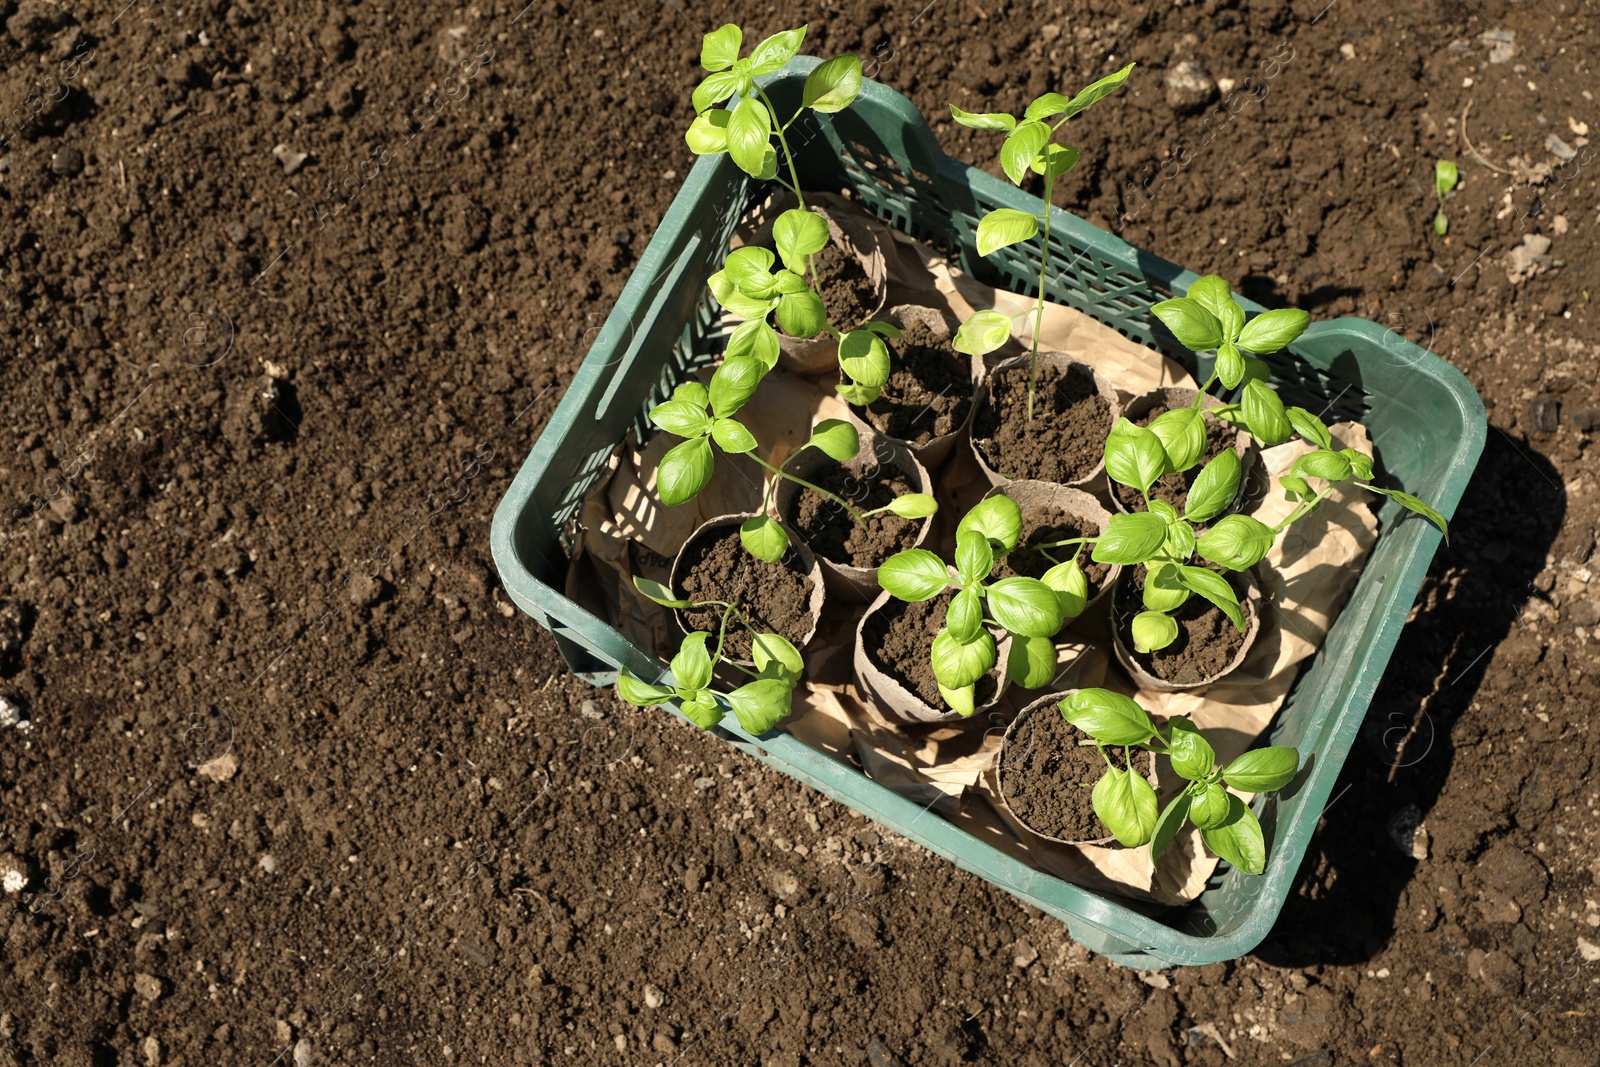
(763, 538)
(1110, 718)
(1127, 805)
(964, 619)
(1021, 146)
(1191, 754)
(1004, 226)
(755, 339)
(982, 333)
(835, 438)
(834, 85)
(659, 593)
(1237, 542)
(749, 134)
(1238, 840)
(728, 295)
(1134, 455)
(1323, 463)
(684, 471)
(762, 704)
(1271, 330)
(708, 133)
(1441, 224)
(1032, 661)
(681, 418)
(799, 234)
(998, 518)
(914, 575)
(1214, 488)
(1182, 432)
(1294, 486)
(643, 694)
(1162, 589)
(714, 89)
(1445, 176)
(1360, 463)
(1071, 587)
(702, 709)
(991, 121)
(1094, 92)
(691, 667)
(865, 358)
(1213, 293)
(776, 657)
(1406, 500)
(1215, 588)
(1025, 607)
(859, 395)
(770, 55)
(974, 557)
(1309, 426)
(1055, 160)
(1210, 807)
(733, 382)
(1264, 414)
(1170, 822)
(1263, 770)
(720, 47)
(1232, 367)
(1196, 329)
(913, 506)
(1046, 106)
(1179, 542)
(957, 664)
(748, 265)
(1130, 538)
(693, 393)
(802, 314)
(962, 701)
(1153, 631)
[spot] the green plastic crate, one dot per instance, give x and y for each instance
(1425, 419)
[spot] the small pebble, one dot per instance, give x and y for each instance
(147, 986)
(291, 160)
(67, 163)
(1546, 413)
(1189, 87)
(220, 769)
(302, 1052)
(653, 997)
(268, 862)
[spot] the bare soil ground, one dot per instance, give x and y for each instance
(288, 291)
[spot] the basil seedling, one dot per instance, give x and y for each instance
(759, 704)
(1126, 803)
(1027, 147)
(1445, 176)
(1031, 610)
(704, 416)
(1211, 318)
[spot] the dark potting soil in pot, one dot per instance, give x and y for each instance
(1047, 526)
(775, 597)
(1066, 439)
(842, 282)
(1173, 487)
(1047, 778)
(1207, 639)
(929, 391)
(898, 639)
(829, 530)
